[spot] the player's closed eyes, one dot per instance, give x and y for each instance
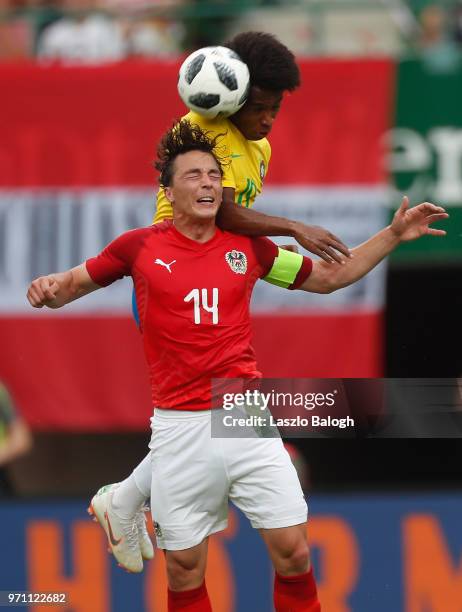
(194, 176)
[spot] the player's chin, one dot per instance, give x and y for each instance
(205, 210)
(257, 134)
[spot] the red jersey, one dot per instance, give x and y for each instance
(193, 302)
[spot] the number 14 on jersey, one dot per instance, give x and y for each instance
(201, 300)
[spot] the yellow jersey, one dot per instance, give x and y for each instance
(246, 163)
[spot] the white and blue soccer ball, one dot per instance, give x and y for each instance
(214, 81)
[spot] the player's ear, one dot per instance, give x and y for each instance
(169, 194)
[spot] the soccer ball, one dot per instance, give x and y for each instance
(214, 81)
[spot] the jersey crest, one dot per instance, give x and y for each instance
(262, 169)
(237, 261)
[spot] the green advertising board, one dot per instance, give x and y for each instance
(426, 154)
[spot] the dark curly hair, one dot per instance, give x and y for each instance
(271, 64)
(183, 137)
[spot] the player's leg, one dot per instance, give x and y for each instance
(142, 475)
(186, 579)
(130, 499)
(294, 584)
(121, 505)
(132, 493)
(288, 549)
(122, 534)
(266, 488)
(189, 486)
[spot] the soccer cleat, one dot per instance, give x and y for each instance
(146, 547)
(122, 534)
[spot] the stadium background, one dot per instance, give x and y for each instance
(375, 117)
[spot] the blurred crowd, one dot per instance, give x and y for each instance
(96, 31)
(439, 41)
(89, 31)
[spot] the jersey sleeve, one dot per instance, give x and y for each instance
(116, 260)
(281, 267)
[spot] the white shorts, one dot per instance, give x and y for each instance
(194, 476)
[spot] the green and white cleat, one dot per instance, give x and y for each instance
(122, 534)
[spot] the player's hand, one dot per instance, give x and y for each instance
(293, 248)
(42, 291)
(319, 241)
(412, 223)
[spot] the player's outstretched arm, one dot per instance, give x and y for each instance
(56, 290)
(408, 224)
(249, 222)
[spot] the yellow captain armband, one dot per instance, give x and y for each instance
(285, 268)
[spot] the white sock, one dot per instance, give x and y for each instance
(143, 476)
(128, 498)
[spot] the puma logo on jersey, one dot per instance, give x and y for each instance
(166, 265)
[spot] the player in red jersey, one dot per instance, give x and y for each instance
(193, 285)
(243, 139)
